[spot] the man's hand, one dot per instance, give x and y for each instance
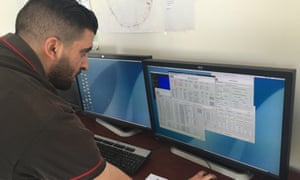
(202, 175)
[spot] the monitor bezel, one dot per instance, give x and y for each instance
(117, 123)
(287, 73)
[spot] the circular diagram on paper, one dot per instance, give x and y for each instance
(130, 13)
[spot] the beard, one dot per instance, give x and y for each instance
(62, 75)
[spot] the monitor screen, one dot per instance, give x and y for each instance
(238, 116)
(113, 90)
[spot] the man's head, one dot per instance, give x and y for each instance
(61, 32)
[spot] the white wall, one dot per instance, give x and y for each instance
(254, 32)
(8, 16)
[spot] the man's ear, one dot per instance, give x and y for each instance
(53, 48)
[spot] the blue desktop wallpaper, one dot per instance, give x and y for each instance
(116, 89)
(268, 101)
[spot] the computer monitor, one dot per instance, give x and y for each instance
(239, 117)
(113, 91)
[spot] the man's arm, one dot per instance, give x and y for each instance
(112, 173)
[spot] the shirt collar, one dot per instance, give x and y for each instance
(26, 51)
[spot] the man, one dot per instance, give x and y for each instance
(40, 135)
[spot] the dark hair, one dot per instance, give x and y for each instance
(65, 19)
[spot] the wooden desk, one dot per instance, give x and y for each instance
(162, 162)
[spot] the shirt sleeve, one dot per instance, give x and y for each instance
(91, 173)
(64, 149)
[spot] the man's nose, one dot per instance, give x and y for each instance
(85, 64)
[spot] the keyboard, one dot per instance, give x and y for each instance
(128, 158)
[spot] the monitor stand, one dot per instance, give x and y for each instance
(118, 131)
(213, 166)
